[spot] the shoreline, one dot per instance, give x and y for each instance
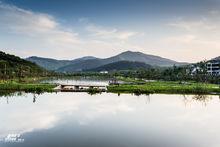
(147, 88)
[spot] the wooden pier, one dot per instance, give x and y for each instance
(80, 88)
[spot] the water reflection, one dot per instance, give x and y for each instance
(78, 81)
(187, 99)
(203, 99)
(34, 98)
(80, 119)
(9, 94)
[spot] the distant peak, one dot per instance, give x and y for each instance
(86, 58)
(128, 52)
(33, 57)
(132, 53)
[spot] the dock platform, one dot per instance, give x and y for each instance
(80, 88)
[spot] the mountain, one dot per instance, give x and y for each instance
(89, 62)
(146, 58)
(125, 56)
(12, 64)
(53, 64)
(217, 58)
(47, 63)
(82, 65)
(122, 65)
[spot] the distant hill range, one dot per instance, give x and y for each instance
(53, 64)
(89, 63)
(122, 65)
(12, 64)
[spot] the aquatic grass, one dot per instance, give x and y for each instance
(166, 87)
(93, 91)
(38, 88)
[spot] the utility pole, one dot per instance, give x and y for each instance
(5, 71)
(20, 73)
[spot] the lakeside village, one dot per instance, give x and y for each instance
(212, 68)
(202, 78)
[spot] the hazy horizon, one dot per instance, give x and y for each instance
(184, 31)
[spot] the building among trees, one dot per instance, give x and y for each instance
(213, 67)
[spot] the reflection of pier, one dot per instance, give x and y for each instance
(80, 88)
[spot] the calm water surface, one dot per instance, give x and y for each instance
(79, 81)
(109, 120)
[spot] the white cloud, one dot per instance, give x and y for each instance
(194, 39)
(104, 33)
(25, 33)
(193, 25)
(37, 25)
(186, 39)
(43, 35)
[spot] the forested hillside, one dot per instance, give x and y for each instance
(13, 66)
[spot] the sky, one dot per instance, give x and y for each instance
(181, 30)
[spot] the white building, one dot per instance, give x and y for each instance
(213, 67)
(103, 72)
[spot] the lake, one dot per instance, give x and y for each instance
(109, 120)
(78, 81)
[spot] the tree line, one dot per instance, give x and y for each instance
(196, 72)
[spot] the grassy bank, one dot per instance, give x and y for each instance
(130, 86)
(38, 88)
(26, 80)
(166, 87)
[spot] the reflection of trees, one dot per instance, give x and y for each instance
(9, 94)
(6, 95)
(147, 99)
(204, 99)
(94, 92)
(186, 100)
(34, 98)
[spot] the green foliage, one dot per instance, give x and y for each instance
(12, 66)
(166, 87)
(175, 73)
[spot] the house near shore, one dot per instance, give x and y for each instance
(213, 67)
(103, 72)
(114, 81)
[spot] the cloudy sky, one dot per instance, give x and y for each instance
(182, 30)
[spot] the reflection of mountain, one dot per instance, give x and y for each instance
(88, 63)
(67, 119)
